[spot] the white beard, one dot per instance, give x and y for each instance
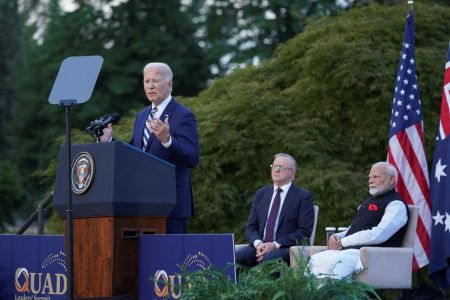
(373, 191)
(379, 190)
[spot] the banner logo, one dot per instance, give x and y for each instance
(171, 286)
(161, 277)
(33, 285)
(22, 285)
(197, 261)
(82, 172)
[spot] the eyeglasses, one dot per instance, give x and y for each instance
(279, 167)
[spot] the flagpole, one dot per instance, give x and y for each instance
(411, 3)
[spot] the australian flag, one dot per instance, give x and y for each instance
(439, 269)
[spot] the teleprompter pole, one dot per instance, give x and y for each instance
(69, 212)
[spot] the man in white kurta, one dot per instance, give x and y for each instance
(380, 220)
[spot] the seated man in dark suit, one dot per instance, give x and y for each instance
(282, 215)
(380, 221)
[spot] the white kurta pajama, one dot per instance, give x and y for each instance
(342, 263)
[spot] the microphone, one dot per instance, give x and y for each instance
(97, 126)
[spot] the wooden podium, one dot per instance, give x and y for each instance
(130, 193)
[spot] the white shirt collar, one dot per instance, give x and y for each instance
(285, 187)
(162, 106)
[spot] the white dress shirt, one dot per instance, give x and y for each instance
(283, 194)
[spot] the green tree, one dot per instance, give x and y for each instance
(35, 123)
(134, 33)
(326, 99)
(9, 43)
(11, 191)
(237, 33)
(143, 31)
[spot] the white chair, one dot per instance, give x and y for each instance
(311, 238)
(384, 267)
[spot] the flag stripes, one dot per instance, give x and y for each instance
(406, 150)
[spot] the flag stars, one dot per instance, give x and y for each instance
(396, 113)
(438, 218)
(411, 96)
(408, 107)
(402, 92)
(406, 45)
(409, 71)
(405, 81)
(403, 56)
(414, 86)
(411, 61)
(394, 124)
(439, 171)
(399, 103)
(405, 117)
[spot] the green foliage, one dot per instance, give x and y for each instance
(136, 32)
(272, 280)
(11, 192)
(326, 99)
(9, 43)
(244, 32)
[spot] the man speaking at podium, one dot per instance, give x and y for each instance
(168, 130)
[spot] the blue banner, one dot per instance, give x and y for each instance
(164, 259)
(32, 267)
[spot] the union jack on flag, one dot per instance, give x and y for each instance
(406, 149)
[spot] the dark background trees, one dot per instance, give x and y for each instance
(324, 96)
(200, 39)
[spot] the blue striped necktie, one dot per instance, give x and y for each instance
(147, 130)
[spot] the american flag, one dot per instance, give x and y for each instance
(406, 149)
(439, 269)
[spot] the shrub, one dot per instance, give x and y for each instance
(273, 280)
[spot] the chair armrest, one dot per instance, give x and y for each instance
(296, 252)
(239, 246)
(380, 261)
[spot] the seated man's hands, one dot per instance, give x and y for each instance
(334, 243)
(263, 248)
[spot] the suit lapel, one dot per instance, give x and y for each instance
(266, 205)
(167, 111)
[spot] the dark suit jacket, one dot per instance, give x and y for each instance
(296, 218)
(183, 153)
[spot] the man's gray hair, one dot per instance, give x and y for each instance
(294, 163)
(168, 75)
(389, 169)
